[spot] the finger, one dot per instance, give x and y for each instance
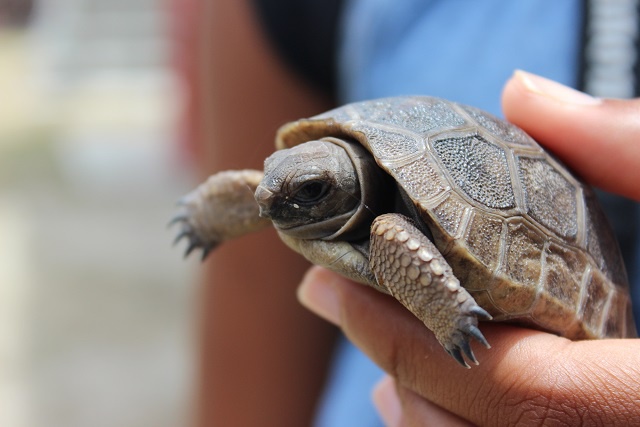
(399, 406)
(527, 377)
(599, 139)
(387, 402)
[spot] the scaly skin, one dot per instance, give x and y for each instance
(221, 208)
(409, 265)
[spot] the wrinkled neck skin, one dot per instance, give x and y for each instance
(347, 170)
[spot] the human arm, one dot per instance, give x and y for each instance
(262, 358)
(527, 377)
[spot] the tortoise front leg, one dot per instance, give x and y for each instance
(221, 208)
(408, 264)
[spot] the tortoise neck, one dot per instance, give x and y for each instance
(376, 195)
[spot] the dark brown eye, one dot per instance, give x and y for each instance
(311, 192)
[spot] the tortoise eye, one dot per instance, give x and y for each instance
(311, 192)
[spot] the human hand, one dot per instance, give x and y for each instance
(527, 377)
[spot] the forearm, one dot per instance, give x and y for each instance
(262, 358)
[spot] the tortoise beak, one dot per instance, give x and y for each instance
(264, 197)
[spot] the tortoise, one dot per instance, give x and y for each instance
(457, 214)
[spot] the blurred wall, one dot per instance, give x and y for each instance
(96, 308)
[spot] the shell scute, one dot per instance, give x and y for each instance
(478, 168)
(422, 180)
(485, 238)
(524, 250)
(450, 214)
(596, 296)
(564, 269)
(551, 198)
(388, 145)
(419, 115)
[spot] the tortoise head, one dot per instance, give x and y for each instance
(313, 190)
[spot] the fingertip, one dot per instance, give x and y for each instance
(317, 293)
(528, 83)
(509, 91)
(398, 405)
(516, 97)
(524, 90)
(387, 402)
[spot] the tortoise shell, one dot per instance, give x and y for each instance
(526, 238)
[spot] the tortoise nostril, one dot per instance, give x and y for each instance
(264, 197)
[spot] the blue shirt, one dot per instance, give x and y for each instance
(462, 50)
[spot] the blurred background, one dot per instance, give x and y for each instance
(96, 307)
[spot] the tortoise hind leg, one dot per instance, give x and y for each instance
(221, 208)
(408, 264)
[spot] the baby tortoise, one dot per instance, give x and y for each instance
(457, 214)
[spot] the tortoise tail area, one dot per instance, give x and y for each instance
(221, 208)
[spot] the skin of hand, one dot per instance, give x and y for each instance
(527, 377)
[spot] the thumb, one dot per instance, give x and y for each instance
(598, 138)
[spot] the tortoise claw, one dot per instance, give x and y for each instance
(177, 219)
(458, 345)
(192, 245)
(180, 236)
(466, 349)
(455, 353)
(480, 313)
(194, 240)
(475, 333)
(206, 249)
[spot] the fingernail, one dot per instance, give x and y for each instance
(386, 400)
(317, 293)
(554, 90)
